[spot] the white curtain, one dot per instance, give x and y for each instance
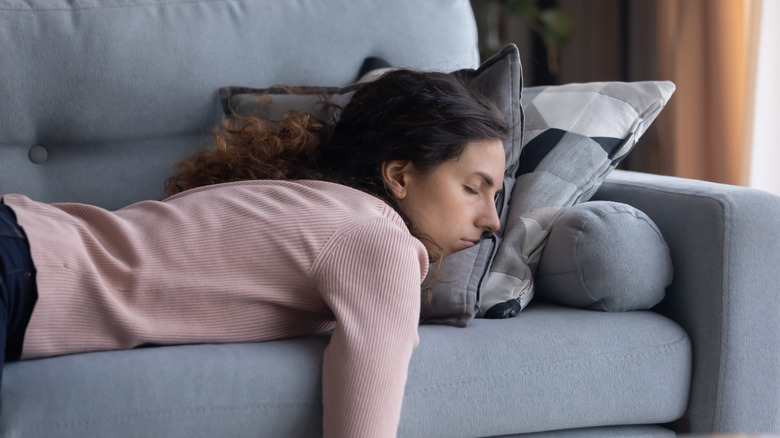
(765, 152)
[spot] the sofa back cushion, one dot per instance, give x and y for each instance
(98, 98)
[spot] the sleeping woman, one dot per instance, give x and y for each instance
(277, 231)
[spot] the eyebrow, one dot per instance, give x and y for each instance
(486, 177)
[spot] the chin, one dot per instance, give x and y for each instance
(448, 252)
(436, 254)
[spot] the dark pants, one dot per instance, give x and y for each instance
(18, 292)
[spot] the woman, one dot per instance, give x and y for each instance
(279, 231)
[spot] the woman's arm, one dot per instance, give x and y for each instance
(371, 279)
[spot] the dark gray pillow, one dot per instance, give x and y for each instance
(451, 290)
(273, 104)
(604, 256)
(456, 284)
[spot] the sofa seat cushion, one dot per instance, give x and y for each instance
(550, 368)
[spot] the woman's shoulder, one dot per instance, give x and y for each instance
(327, 199)
(381, 242)
(304, 187)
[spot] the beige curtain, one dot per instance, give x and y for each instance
(708, 48)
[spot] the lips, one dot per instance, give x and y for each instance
(470, 242)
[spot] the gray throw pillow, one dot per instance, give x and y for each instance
(605, 256)
(450, 292)
(454, 285)
(575, 134)
(272, 104)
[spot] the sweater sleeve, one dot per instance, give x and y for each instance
(370, 278)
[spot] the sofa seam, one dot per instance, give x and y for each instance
(677, 345)
(580, 268)
(161, 413)
(725, 338)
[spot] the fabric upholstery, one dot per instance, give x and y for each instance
(510, 376)
(99, 98)
(724, 292)
(639, 431)
(529, 374)
(606, 256)
(575, 134)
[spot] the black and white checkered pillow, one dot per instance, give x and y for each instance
(575, 134)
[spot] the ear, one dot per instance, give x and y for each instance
(395, 174)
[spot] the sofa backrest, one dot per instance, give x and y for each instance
(99, 97)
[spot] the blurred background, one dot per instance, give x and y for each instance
(723, 55)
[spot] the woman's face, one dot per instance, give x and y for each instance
(454, 203)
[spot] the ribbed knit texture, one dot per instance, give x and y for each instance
(238, 262)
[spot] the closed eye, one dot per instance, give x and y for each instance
(470, 190)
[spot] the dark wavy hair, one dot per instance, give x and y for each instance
(423, 117)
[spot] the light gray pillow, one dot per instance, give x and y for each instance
(575, 134)
(605, 256)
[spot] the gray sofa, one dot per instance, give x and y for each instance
(98, 98)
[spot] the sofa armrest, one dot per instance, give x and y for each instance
(725, 247)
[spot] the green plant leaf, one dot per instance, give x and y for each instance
(556, 28)
(526, 8)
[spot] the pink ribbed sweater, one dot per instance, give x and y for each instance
(238, 262)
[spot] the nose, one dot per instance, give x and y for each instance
(489, 220)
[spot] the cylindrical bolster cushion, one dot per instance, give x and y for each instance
(604, 256)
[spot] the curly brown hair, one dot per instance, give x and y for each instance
(248, 148)
(422, 117)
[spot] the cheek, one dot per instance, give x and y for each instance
(446, 214)
(437, 207)
(446, 204)
(426, 213)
